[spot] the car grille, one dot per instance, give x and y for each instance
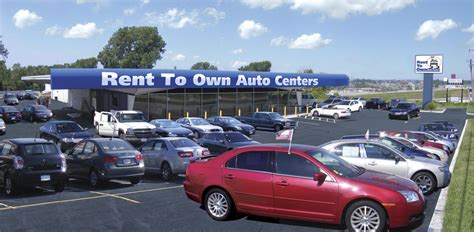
(143, 133)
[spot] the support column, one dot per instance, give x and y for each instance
(427, 89)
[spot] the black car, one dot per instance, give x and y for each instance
(10, 114)
(37, 113)
(20, 95)
(404, 111)
(231, 124)
(220, 142)
(448, 125)
(394, 102)
(31, 162)
(99, 160)
(440, 130)
(169, 128)
(31, 96)
(64, 133)
(376, 103)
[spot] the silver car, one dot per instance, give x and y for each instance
(431, 136)
(170, 156)
(428, 174)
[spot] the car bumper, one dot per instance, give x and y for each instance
(398, 116)
(10, 120)
(26, 179)
(42, 118)
(405, 215)
(444, 178)
(138, 139)
(114, 172)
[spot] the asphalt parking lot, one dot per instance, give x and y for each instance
(155, 205)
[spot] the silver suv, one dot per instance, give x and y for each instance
(428, 174)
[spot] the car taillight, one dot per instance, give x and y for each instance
(139, 157)
(18, 162)
(5, 115)
(18, 114)
(205, 153)
(184, 154)
(110, 158)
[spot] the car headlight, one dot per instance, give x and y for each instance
(410, 196)
(130, 131)
(171, 134)
(446, 148)
(432, 156)
(452, 136)
(238, 127)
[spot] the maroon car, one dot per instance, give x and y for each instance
(309, 184)
(10, 114)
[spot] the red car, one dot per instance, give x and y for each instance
(309, 184)
(418, 139)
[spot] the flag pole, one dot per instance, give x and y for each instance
(291, 140)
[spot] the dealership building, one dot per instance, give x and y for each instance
(177, 93)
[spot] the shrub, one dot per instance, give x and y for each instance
(431, 106)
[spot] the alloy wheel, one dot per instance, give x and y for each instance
(365, 219)
(424, 183)
(217, 205)
(93, 179)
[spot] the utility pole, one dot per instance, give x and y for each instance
(472, 81)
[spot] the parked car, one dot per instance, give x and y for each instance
(99, 160)
(65, 134)
(198, 126)
(331, 111)
(30, 96)
(433, 137)
(10, 114)
(394, 102)
(420, 140)
(218, 143)
(269, 120)
(310, 184)
(30, 162)
(10, 99)
(37, 113)
(169, 128)
(20, 95)
(448, 124)
(376, 103)
(404, 111)
(3, 127)
(232, 124)
(170, 156)
(439, 153)
(332, 101)
(352, 106)
(361, 99)
(439, 129)
(428, 174)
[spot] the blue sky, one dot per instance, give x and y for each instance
(374, 39)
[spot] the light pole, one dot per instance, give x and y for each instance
(472, 81)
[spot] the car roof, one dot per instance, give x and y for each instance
(167, 138)
(20, 141)
(298, 147)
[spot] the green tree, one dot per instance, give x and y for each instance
(261, 66)
(3, 50)
(133, 47)
(85, 63)
(319, 93)
(203, 66)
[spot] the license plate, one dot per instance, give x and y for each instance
(143, 140)
(252, 132)
(127, 161)
(45, 178)
(13, 118)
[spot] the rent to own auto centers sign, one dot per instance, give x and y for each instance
(428, 64)
(171, 78)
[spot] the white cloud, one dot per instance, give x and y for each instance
(82, 31)
(433, 28)
(279, 41)
(249, 28)
(98, 3)
(54, 30)
(25, 18)
(264, 4)
(144, 2)
(178, 19)
(129, 11)
(309, 42)
(237, 51)
(178, 57)
(196, 57)
(469, 29)
(237, 64)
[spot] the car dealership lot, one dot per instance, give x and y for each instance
(157, 205)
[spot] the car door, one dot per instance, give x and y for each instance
(107, 124)
(351, 152)
(158, 155)
(147, 152)
(3, 162)
(86, 159)
(382, 159)
(220, 143)
(297, 194)
(73, 159)
(249, 177)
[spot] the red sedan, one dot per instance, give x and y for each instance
(309, 184)
(418, 139)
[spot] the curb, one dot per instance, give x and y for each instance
(436, 223)
(432, 111)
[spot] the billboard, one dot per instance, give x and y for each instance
(429, 64)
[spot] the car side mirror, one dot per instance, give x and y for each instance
(85, 129)
(397, 159)
(319, 177)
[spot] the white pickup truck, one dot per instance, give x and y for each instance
(125, 124)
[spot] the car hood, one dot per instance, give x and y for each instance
(137, 125)
(177, 130)
(399, 110)
(245, 126)
(207, 127)
(443, 132)
(80, 134)
(386, 180)
(427, 161)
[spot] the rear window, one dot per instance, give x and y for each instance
(41, 149)
(9, 109)
(115, 145)
(178, 143)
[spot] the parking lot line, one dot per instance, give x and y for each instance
(53, 202)
(116, 196)
(148, 190)
(6, 206)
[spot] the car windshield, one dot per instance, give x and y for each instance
(275, 116)
(407, 143)
(236, 137)
(9, 109)
(41, 149)
(115, 145)
(199, 121)
(403, 106)
(232, 121)
(68, 127)
(167, 124)
(335, 164)
(435, 127)
(11, 97)
(178, 143)
(132, 117)
(344, 103)
(328, 101)
(446, 123)
(40, 108)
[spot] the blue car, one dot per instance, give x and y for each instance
(404, 111)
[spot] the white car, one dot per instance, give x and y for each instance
(351, 105)
(3, 127)
(199, 126)
(442, 155)
(361, 99)
(331, 111)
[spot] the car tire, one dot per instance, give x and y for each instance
(335, 116)
(121, 135)
(9, 186)
(316, 113)
(218, 204)
(196, 134)
(365, 210)
(360, 108)
(59, 187)
(166, 172)
(278, 128)
(94, 178)
(135, 180)
(31, 119)
(408, 116)
(97, 129)
(425, 181)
